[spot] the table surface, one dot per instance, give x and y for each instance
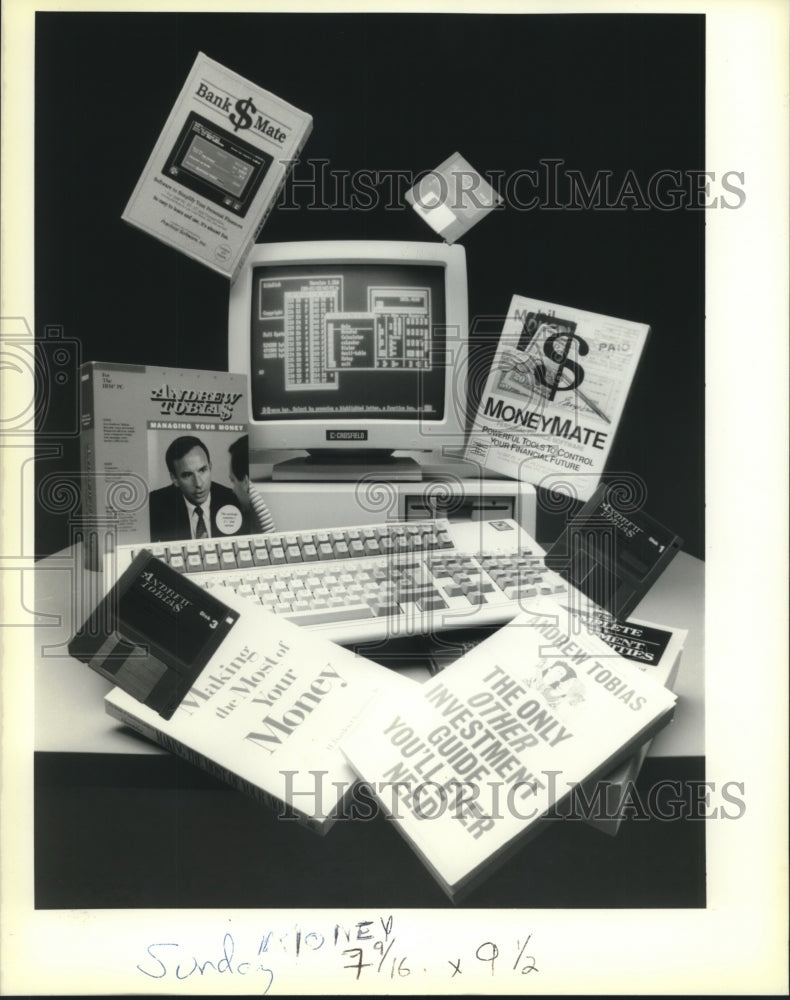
(69, 709)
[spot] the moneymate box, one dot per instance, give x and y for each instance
(218, 167)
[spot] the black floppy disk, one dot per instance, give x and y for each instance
(612, 552)
(153, 633)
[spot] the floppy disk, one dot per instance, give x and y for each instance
(153, 633)
(611, 552)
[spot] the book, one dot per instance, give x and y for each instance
(130, 415)
(468, 764)
(242, 693)
(218, 167)
(554, 395)
(656, 650)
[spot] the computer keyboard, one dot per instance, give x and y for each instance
(357, 584)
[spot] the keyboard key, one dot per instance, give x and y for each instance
(431, 603)
(519, 593)
(411, 592)
(380, 608)
(334, 615)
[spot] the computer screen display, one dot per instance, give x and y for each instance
(348, 341)
(352, 345)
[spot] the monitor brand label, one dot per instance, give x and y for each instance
(346, 435)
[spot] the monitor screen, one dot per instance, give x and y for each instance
(347, 341)
(357, 344)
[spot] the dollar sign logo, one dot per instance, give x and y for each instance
(242, 119)
(556, 348)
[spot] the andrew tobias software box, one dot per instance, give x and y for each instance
(218, 167)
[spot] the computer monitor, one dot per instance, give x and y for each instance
(354, 350)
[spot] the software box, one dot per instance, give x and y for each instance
(218, 167)
(130, 415)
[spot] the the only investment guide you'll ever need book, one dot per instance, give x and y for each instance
(469, 763)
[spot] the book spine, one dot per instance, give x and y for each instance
(210, 766)
(91, 556)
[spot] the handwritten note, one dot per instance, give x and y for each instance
(369, 952)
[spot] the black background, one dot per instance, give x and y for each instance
(127, 832)
(387, 93)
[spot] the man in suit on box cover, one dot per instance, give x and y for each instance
(193, 506)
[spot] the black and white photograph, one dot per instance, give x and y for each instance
(385, 535)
